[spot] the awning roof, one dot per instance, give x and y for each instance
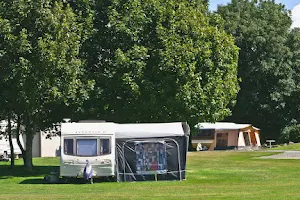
(224, 126)
(134, 130)
(144, 130)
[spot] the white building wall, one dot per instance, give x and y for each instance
(49, 147)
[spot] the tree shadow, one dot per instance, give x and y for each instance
(20, 171)
(31, 177)
(33, 181)
(69, 181)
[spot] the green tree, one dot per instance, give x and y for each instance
(39, 62)
(260, 29)
(291, 131)
(160, 60)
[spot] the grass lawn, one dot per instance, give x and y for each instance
(291, 147)
(210, 175)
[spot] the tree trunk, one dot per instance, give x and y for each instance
(30, 131)
(18, 137)
(192, 130)
(28, 152)
(12, 152)
(191, 144)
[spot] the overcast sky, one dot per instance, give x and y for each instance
(293, 5)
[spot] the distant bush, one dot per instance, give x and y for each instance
(291, 133)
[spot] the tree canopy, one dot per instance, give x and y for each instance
(122, 61)
(292, 120)
(41, 72)
(160, 60)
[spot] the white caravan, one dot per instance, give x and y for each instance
(82, 142)
(4, 142)
(5, 148)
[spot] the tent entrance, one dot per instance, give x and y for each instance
(151, 159)
(253, 139)
(246, 138)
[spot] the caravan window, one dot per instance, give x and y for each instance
(104, 146)
(68, 147)
(86, 147)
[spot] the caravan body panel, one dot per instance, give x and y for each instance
(82, 142)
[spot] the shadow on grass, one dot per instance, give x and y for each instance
(20, 171)
(42, 181)
(64, 181)
(32, 177)
(33, 181)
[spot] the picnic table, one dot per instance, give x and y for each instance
(270, 142)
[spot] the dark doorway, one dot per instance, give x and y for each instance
(246, 138)
(222, 140)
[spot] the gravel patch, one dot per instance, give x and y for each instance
(284, 155)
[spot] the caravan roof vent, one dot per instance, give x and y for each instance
(66, 120)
